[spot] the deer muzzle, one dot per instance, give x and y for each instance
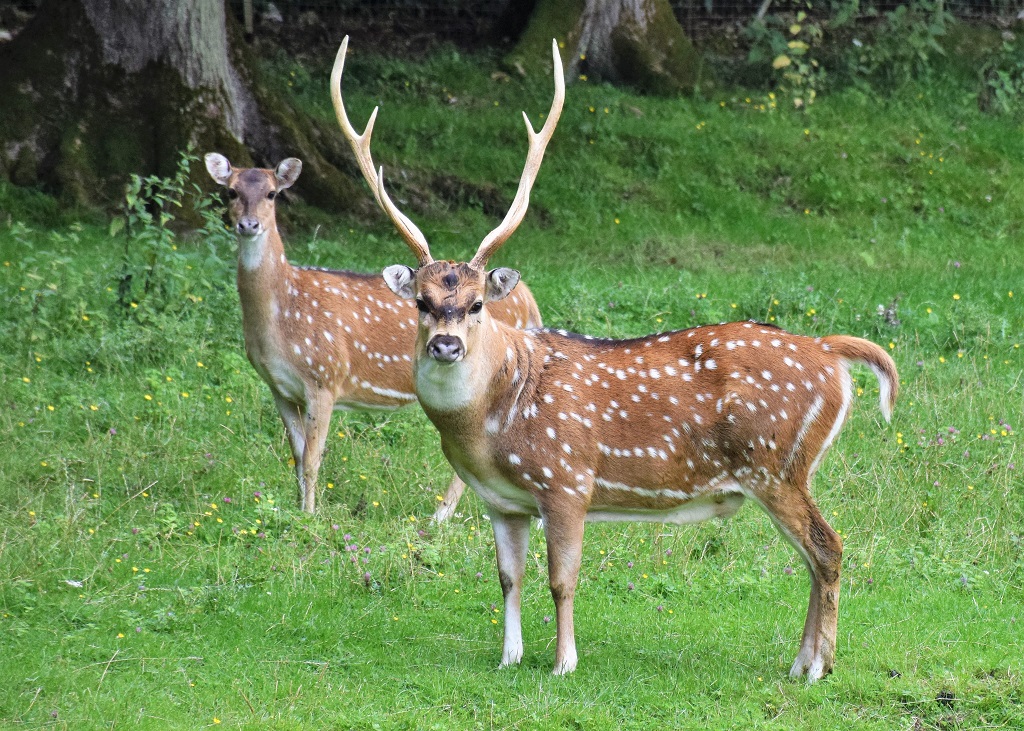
(248, 226)
(446, 348)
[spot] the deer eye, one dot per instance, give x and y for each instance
(421, 306)
(232, 193)
(271, 195)
(477, 306)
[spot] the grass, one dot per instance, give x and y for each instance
(155, 571)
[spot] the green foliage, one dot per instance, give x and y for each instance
(26, 205)
(133, 309)
(801, 50)
(790, 43)
(901, 48)
(155, 279)
(1004, 76)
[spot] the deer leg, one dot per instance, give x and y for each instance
(511, 538)
(294, 428)
(798, 518)
(317, 423)
(564, 534)
(451, 500)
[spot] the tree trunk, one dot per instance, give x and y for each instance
(95, 90)
(634, 42)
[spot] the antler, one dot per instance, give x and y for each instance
(538, 142)
(360, 144)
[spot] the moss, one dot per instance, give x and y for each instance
(323, 183)
(551, 19)
(30, 206)
(658, 59)
(25, 171)
(321, 148)
(77, 178)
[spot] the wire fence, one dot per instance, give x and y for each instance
(467, 23)
(702, 10)
(483, 21)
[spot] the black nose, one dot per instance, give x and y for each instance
(445, 348)
(248, 226)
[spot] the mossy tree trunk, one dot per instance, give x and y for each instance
(634, 42)
(95, 90)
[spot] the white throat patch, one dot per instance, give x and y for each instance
(251, 251)
(445, 386)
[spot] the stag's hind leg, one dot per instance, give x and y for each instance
(797, 517)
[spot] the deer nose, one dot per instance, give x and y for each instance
(445, 348)
(248, 226)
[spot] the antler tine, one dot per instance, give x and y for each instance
(360, 144)
(538, 142)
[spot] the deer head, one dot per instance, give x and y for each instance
(252, 196)
(451, 298)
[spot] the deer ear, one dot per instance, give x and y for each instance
(218, 167)
(500, 283)
(288, 172)
(399, 279)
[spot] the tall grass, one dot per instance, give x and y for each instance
(155, 571)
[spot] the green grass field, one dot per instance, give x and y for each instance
(155, 572)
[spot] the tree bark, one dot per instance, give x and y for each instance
(190, 37)
(638, 43)
(96, 90)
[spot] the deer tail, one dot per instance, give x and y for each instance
(875, 358)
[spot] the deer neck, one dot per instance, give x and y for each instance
(262, 276)
(482, 394)
(471, 384)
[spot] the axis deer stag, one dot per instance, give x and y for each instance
(675, 427)
(322, 339)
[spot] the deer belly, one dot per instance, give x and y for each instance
(502, 495)
(723, 503)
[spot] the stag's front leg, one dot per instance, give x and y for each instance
(511, 539)
(563, 531)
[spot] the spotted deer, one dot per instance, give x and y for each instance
(322, 339)
(674, 427)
